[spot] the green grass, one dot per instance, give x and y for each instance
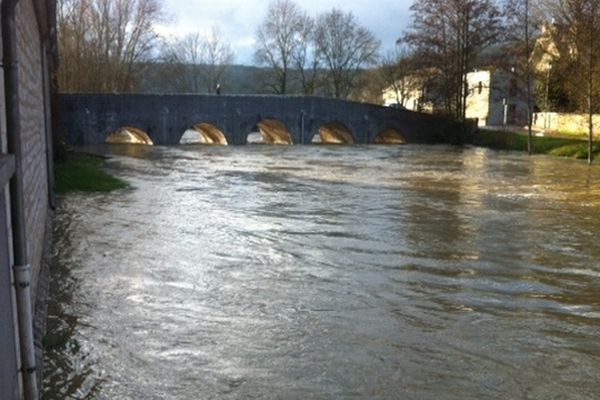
(576, 151)
(568, 134)
(55, 341)
(84, 173)
(506, 140)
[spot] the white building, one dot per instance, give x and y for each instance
(495, 97)
(408, 93)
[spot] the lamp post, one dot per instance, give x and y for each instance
(548, 86)
(302, 113)
(547, 107)
(505, 112)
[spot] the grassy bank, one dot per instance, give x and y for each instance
(84, 173)
(562, 147)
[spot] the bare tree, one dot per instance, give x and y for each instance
(281, 41)
(390, 74)
(103, 43)
(181, 63)
(591, 10)
(582, 61)
(72, 44)
(217, 57)
(396, 72)
(344, 47)
(196, 63)
(447, 35)
(305, 59)
(523, 18)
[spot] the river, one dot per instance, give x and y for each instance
(323, 272)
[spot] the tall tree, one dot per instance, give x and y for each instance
(447, 35)
(344, 47)
(104, 42)
(581, 64)
(396, 73)
(280, 40)
(181, 64)
(305, 59)
(217, 57)
(523, 18)
(196, 63)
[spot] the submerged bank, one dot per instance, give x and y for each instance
(510, 140)
(84, 173)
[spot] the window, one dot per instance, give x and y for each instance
(513, 88)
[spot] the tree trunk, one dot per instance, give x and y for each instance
(528, 82)
(591, 135)
(591, 85)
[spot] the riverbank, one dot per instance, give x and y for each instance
(84, 173)
(517, 141)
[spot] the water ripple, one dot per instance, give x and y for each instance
(325, 272)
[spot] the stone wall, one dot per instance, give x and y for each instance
(87, 119)
(565, 123)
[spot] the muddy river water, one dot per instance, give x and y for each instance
(319, 272)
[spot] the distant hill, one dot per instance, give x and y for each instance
(243, 79)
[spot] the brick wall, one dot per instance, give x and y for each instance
(33, 132)
(35, 177)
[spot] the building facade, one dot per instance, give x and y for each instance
(407, 93)
(495, 97)
(28, 50)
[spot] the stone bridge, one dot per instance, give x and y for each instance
(89, 118)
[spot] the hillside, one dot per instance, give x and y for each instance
(238, 79)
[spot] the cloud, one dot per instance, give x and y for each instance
(238, 19)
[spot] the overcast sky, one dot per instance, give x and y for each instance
(238, 19)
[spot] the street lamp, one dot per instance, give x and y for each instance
(546, 115)
(548, 86)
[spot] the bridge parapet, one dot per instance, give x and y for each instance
(89, 118)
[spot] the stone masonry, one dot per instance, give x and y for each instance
(88, 119)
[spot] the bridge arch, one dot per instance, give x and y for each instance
(203, 133)
(390, 136)
(272, 131)
(335, 133)
(129, 135)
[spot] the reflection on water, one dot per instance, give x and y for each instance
(329, 272)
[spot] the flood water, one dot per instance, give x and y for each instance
(321, 272)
